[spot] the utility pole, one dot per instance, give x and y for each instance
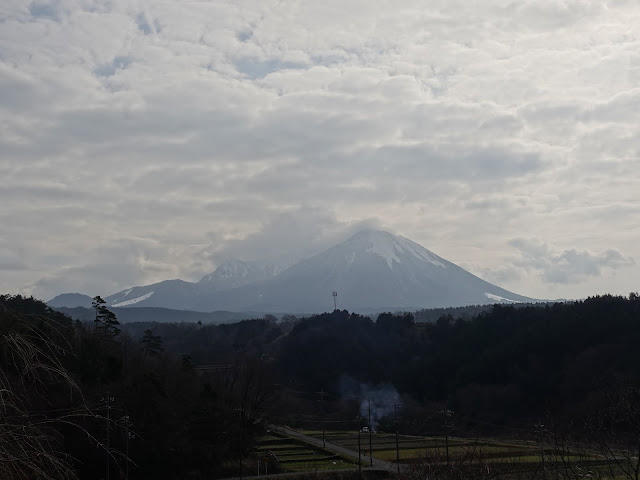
(315, 465)
(540, 431)
(322, 394)
(125, 421)
(241, 412)
(359, 420)
(395, 416)
(370, 443)
(108, 399)
(447, 414)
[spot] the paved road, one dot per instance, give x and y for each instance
(291, 474)
(377, 464)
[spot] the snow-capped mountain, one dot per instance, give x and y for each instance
(237, 273)
(371, 270)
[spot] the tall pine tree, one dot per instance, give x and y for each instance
(106, 321)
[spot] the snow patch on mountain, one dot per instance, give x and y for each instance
(230, 269)
(384, 248)
(236, 273)
(393, 248)
(419, 252)
(499, 298)
(133, 300)
(351, 258)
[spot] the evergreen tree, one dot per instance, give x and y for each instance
(151, 344)
(106, 321)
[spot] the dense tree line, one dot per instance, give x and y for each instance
(509, 364)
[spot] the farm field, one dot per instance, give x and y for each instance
(413, 448)
(284, 454)
(490, 454)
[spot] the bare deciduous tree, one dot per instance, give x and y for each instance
(31, 349)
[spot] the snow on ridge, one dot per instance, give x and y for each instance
(390, 246)
(419, 252)
(127, 292)
(133, 300)
(499, 298)
(233, 271)
(242, 271)
(207, 277)
(384, 248)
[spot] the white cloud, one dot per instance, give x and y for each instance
(460, 125)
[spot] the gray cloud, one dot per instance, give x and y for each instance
(291, 236)
(569, 265)
(145, 24)
(109, 69)
(189, 133)
(43, 10)
(10, 260)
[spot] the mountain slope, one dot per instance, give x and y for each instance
(371, 270)
(237, 273)
(175, 294)
(70, 300)
(181, 295)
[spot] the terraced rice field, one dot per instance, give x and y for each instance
(480, 457)
(415, 449)
(384, 444)
(292, 455)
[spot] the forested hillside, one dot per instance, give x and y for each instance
(509, 364)
(186, 400)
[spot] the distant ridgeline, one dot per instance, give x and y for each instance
(466, 313)
(166, 315)
(156, 314)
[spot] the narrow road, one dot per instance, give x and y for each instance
(377, 464)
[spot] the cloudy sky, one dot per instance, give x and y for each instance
(145, 140)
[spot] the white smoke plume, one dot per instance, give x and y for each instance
(381, 398)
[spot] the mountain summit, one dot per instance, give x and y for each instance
(237, 273)
(373, 270)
